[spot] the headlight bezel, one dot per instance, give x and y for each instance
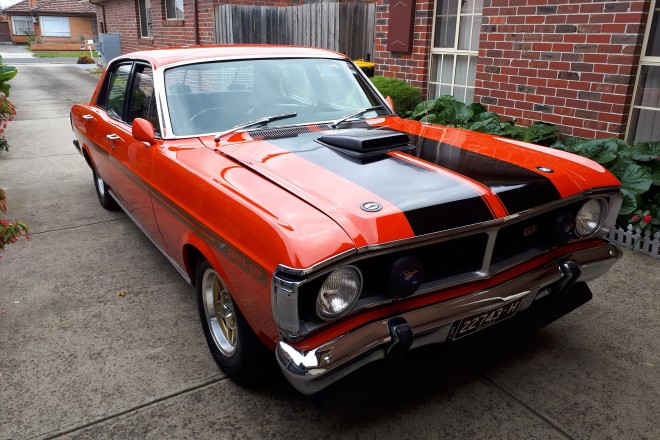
(329, 316)
(580, 231)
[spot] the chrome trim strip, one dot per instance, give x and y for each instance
(155, 243)
(310, 371)
(315, 267)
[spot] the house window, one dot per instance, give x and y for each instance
(174, 9)
(22, 25)
(455, 48)
(55, 26)
(645, 113)
(145, 18)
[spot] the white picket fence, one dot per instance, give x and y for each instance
(636, 240)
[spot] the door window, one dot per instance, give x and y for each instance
(116, 91)
(142, 103)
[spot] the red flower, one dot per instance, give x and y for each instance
(635, 218)
(4, 223)
(647, 219)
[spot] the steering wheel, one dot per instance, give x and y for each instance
(209, 117)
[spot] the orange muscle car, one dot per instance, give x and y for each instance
(316, 223)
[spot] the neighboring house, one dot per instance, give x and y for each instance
(592, 67)
(56, 24)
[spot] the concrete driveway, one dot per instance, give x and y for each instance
(77, 359)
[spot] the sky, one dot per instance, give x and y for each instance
(5, 3)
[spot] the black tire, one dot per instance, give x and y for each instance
(105, 199)
(233, 344)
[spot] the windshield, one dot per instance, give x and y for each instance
(209, 98)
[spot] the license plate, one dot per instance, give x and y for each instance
(480, 321)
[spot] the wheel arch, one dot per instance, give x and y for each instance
(87, 156)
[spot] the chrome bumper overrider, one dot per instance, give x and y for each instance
(310, 371)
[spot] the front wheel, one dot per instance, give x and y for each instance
(105, 198)
(233, 344)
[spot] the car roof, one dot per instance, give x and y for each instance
(181, 54)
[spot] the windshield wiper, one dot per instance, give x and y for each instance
(336, 123)
(264, 120)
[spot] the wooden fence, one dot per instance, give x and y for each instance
(344, 27)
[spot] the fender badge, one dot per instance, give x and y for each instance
(371, 206)
(545, 169)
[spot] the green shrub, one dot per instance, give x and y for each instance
(446, 110)
(86, 59)
(404, 96)
(637, 168)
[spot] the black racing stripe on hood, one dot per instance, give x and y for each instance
(519, 188)
(430, 201)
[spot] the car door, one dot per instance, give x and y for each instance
(130, 95)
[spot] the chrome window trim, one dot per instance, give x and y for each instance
(159, 85)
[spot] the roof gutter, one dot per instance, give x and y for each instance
(196, 22)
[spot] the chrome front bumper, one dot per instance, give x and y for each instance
(310, 371)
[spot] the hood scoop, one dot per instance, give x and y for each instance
(365, 143)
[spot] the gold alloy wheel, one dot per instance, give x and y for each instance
(219, 310)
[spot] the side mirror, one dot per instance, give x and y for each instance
(390, 102)
(143, 131)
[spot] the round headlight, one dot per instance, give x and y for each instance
(589, 218)
(339, 292)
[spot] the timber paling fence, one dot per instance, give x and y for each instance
(642, 242)
(343, 27)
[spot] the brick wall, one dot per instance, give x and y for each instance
(122, 17)
(413, 66)
(570, 63)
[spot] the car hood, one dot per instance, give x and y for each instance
(445, 178)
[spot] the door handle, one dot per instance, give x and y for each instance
(88, 117)
(113, 137)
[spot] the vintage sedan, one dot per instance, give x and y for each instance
(316, 223)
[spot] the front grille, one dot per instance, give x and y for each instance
(449, 262)
(532, 236)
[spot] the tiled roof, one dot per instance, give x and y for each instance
(64, 7)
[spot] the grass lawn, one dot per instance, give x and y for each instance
(63, 54)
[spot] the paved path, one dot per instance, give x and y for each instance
(76, 358)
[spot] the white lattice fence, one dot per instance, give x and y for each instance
(636, 240)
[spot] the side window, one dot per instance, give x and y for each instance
(142, 103)
(116, 91)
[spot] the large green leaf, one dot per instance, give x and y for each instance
(633, 177)
(4, 88)
(629, 203)
(485, 116)
(477, 108)
(7, 72)
(540, 131)
(570, 144)
(423, 108)
(598, 150)
(645, 151)
(482, 126)
(654, 169)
